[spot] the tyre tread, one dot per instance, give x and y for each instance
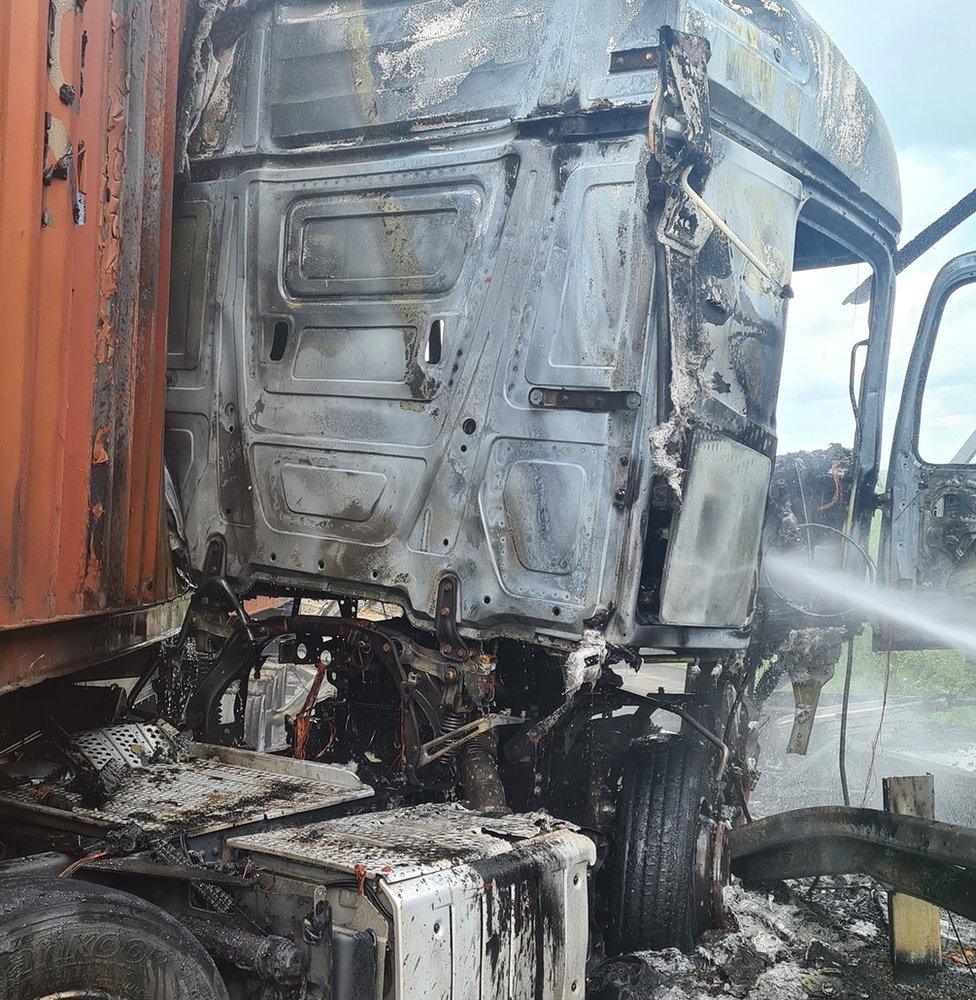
(651, 902)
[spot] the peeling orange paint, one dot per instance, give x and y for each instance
(99, 452)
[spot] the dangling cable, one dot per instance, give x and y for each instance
(881, 721)
(723, 227)
(843, 721)
(303, 721)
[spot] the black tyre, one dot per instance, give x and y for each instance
(65, 938)
(660, 889)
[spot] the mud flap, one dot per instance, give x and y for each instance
(353, 965)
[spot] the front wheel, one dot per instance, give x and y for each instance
(63, 938)
(666, 870)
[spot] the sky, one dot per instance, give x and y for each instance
(919, 62)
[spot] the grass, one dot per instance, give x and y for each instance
(917, 674)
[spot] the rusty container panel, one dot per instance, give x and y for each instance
(87, 117)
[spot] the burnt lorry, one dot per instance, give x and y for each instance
(463, 408)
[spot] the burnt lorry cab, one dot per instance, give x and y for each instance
(478, 312)
(475, 335)
(442, 305)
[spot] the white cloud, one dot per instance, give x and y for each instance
(915, 59)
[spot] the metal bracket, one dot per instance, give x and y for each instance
(592, 400)
(626, 485)
(680, 125)
(452, 646)
(806, 697)
(634, 60)
(213, 561)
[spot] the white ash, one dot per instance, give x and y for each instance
(824, 938)
(785, 981)
(810, 654)
(670, 961)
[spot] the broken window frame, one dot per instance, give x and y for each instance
(912, 480)
(958, 274)
(866, 243)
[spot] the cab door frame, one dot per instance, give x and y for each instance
(911, 480)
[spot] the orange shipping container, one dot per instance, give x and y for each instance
(87, 117)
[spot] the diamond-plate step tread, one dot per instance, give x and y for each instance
(218, 789)
(132, 744)
(403, 843)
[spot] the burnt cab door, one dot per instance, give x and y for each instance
(928, 539)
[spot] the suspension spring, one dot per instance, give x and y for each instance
(450, 722)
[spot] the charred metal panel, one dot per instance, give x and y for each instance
(87, 105)
(334, 70)
(727, 313)
(735, 367)
(708, 578)
(770, 57)
(429, 222)
(331, 75)
(371, 461)
(480, 906)
(190, 313)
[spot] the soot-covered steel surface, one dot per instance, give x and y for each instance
(481, 906)
(194, 797)
(405, 843)
(434, 309)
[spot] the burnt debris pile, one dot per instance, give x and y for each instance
(805, 938)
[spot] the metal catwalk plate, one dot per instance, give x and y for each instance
(403, 843)
(132, 744)
(216, 789)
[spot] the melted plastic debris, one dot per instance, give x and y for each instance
(810, 654)
(823, 938)
(585, 663)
